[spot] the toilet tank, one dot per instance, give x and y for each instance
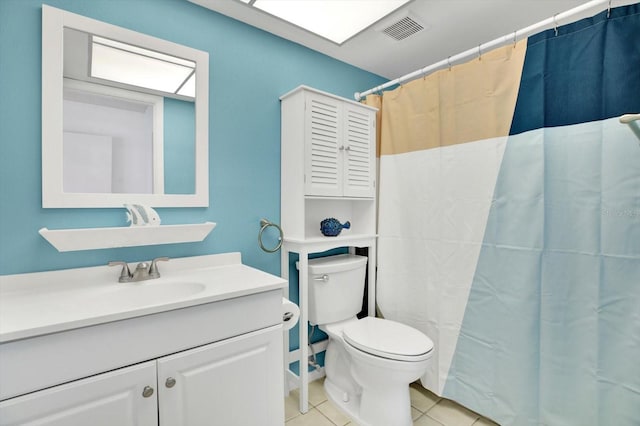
(336, 287)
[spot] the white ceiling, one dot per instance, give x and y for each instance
(452, 26)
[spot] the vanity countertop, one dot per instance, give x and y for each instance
(40, 303)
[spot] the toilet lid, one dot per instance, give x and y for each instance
(388, 339)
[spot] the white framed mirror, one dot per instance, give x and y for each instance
(111, 137)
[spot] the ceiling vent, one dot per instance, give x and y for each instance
(402, 28)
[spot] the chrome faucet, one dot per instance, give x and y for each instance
(143, 271)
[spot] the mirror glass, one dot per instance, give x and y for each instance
(124, 117)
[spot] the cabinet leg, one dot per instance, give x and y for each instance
(304, 317)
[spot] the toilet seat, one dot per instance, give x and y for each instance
(388, 339)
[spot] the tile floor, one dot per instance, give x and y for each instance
(427, 410)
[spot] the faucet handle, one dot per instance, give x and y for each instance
(143, 267)
(153, 269)
(125, 273)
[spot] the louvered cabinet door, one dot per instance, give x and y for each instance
(324, 146)
(359, 152)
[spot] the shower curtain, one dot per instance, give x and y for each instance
(509, 224)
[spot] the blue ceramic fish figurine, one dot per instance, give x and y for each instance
(331, 227)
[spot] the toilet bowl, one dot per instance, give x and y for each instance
(375, 362)
(370, 362)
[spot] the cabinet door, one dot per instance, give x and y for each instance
(359, 143)
(236, 382)
(114, 398)
(323, 146)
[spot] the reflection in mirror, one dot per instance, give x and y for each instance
(112, 140)
(134, 117)
(114, 93)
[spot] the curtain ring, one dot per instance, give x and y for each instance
(479, 53)
(264, 224)
(515, 38)
(609, 9)
(449, 62)
(555, 24)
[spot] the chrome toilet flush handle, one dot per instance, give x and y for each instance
(323, 278)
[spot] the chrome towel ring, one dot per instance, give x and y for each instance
(264, 224)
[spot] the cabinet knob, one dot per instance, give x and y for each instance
(147, 391)
(171, 382)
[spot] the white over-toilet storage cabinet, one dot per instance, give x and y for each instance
(328, 169)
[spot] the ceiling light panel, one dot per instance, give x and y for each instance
(336, 20)
(135, 66)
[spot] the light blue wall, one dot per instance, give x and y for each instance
(249, 69)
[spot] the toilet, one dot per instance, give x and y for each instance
(370, 362)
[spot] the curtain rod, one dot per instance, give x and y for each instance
(509, 38)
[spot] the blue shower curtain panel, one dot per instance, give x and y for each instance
(551, 330)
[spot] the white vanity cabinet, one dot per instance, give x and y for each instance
(79, 355)
(211, 384)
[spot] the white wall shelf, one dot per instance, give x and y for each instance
(130, 236)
